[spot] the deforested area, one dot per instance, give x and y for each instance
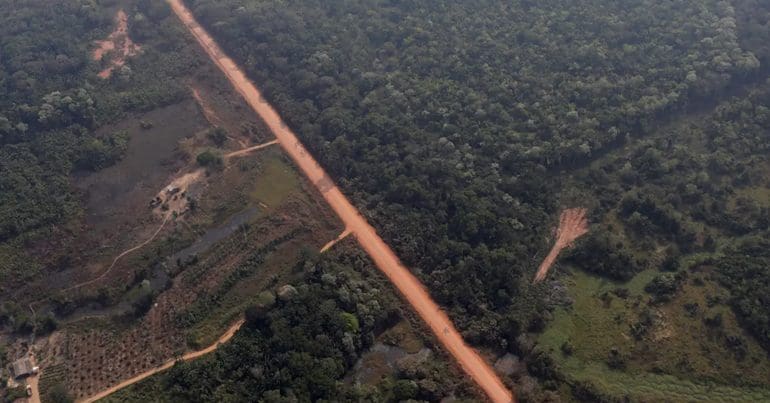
(385, 200)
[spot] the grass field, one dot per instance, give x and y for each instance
(277, 180)
(678, 359)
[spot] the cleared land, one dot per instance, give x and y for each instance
(118, 42)
(572, 225)
(409, 286)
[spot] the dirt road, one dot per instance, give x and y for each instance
(119, 42)
(381, 254)
(572, 225)
(248, 150)
(168, 364)
(334, 241)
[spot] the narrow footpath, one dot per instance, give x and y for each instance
(409, 286)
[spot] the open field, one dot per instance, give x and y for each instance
(679, 359)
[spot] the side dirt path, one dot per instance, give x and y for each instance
(572, 225)
(384, 258)
(168, 364)
(249, 150)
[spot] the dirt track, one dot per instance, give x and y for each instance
(248, 150)
(168, 364)
(572, 225)
(117, 41)
(409, 286)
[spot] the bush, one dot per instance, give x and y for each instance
(217, 136)
(664, 285)
(209, 159)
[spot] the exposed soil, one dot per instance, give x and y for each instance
(409, 286)
(572, 225)
(333, 242)
(249, 150)
(118, 44)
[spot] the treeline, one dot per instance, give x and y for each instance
(745, 271)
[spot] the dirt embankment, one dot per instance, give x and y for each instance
(409, 286)
(572, 225)
(119, 43)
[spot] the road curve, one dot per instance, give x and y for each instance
(409, 286)
(168, 364)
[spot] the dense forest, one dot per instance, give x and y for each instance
(448, 122)
(460, 128)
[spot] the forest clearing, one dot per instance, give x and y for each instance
(411, 288)
(572, 225)
(118, 46)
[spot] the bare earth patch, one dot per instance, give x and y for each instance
(572, 225)
(119, 42)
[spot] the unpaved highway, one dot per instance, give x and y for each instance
(411, 288)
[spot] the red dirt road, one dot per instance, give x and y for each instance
(409, 286)
(572, 225)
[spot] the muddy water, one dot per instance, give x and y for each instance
(409, 286)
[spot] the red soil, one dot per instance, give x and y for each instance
(572, 225)
(119, 40)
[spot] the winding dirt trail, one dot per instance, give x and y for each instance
(409, 286)
(118, 41)
(121, 255)
(168, 364)
(572, 225)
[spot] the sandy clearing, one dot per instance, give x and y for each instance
(119, 40)
(168, 364)
(572, 225)
(409, 286)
